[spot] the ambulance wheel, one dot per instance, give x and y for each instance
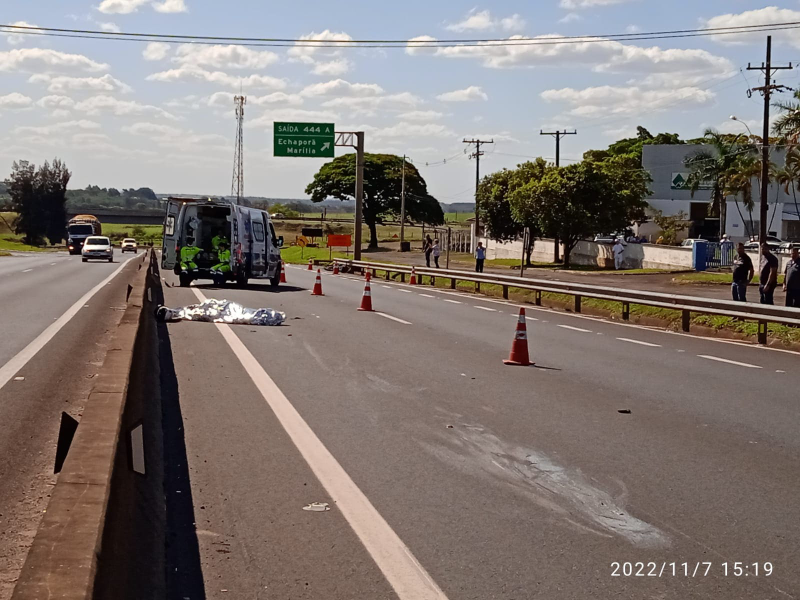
(185, 280)
(276, 280)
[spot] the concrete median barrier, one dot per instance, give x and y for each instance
(103, 533)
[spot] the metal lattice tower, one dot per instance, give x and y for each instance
(237, 186)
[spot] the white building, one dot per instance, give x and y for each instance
(666, 165)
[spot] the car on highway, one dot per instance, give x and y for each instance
(129, 245)
(97, 248)
(786, 247)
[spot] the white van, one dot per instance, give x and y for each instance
(255, 249)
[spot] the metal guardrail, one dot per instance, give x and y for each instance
(761, 313)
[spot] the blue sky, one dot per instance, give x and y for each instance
(128, 114)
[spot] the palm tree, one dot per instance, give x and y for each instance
(738, 180)
(715, 166)
(787, 125)
(789, 176)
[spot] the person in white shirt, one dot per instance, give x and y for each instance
(618, 250)
(436, 252)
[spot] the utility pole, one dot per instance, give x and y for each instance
(558, 135)
(766, 90)
(359, 192)
(477, 156)
(403, 207)
(237, 185)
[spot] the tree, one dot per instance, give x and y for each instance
(787, 125)
(383, 174)
(580, 200)
(632, 146)
(789, 176)
(671, 225)
(714, 166)
(113, 192)
(39, 197)
(738, 180)
(283, 209)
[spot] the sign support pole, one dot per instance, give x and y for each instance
(359, 192)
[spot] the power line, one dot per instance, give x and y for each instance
(388, 43)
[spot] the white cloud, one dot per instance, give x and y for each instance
(483, 21)
(15, 38)
(60, 113)
(121, 108)
(570, 18)
(171, 6)
(90, 138)
(225, 99)
(633, 29)
(47, 61)
(56, 102)
(602, 56)
(152, 130)
(305, 52)
(402, 130)
(120, 7)
(187, 73)
(58, 128)
(192, 101)
(736, 127)
(15, 100)
(573, 4)
(156, 51)
(421, 115)
(417, 46)
(630, 100)
(332, 68)
(224, 57)
(110, 27)
(341, 88)
(469, 94)
(761, 16)
(370, 104)
(61, 84)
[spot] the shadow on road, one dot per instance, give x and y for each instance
(184, 569)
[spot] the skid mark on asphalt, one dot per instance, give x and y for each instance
(475, 450)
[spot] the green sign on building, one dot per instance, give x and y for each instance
(311, 140)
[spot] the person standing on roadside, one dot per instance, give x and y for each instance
(791, 282)
(436, 252)
(618, 250)
(726, 250)
(743, 273)
(480, 257)
(768, 277)
(427, 248)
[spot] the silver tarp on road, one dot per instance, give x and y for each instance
(222, 311)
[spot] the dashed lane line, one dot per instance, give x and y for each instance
(730, 362)
(486, 308)
(27, 270)
(393, 318)
(402, 570)
(427, 296)
(640, 342)
(570, 327)
(452, 301)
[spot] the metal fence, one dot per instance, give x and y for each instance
(763, 314)
(719, 256)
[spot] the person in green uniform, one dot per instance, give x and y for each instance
(217, 240)
(218, 271)
(188, 254)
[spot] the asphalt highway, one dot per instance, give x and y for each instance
(450, 475)
(51, 347)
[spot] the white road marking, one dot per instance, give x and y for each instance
(427, 296)
(730, 362)
(27, 270)
(388, 287)
(8, 370)
(452, 301)
(406, 291)
(51, 264)
(641, 343)
(529, 318)
(486, 308)
(402, 570)
(393, 318)
(575, 328)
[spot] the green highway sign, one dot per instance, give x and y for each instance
(310, 140)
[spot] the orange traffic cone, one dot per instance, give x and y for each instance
(413, 280)
(317, 291)
(519, 349)
(366, 299)
(283, 272)
(310, 264)
(335, 268)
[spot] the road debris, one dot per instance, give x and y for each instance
(221, 311)
(624, 411)
(317, 507)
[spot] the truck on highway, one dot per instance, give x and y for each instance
(255, 249)
(79, 228)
